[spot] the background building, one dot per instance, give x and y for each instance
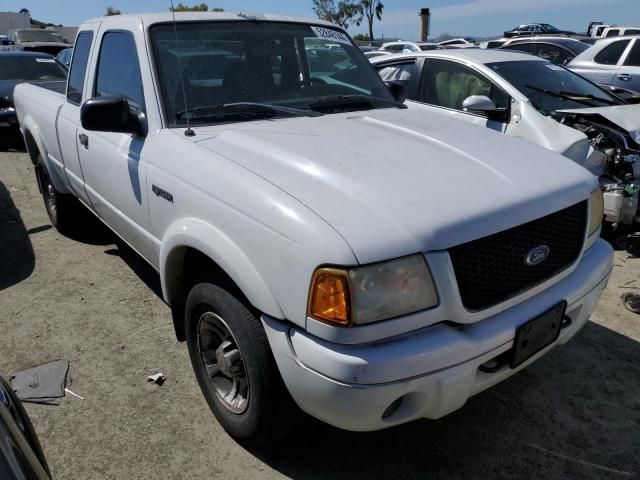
(13, 20)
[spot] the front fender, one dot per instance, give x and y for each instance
(208, 240)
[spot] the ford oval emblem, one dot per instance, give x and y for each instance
(537, 256)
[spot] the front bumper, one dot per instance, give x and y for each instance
(434, 370)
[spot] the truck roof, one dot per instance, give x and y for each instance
(163, 17)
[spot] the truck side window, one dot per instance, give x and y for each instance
(118, 71)
(78, 69)
(610, 54)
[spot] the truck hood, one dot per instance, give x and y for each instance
(395, 182)
(625, 116)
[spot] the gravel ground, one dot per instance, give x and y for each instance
(573, 414)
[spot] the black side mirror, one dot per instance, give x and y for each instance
(398, 90)
(112, 114)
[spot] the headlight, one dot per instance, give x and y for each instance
(596, 211)
(371, 293)
(635, 134)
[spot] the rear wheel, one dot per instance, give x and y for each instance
(234, 366)
(62, 209)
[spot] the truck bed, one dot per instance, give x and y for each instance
(37, 105)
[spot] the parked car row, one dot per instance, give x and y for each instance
(402, 46)
(322, 245)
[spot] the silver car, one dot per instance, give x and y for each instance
(613, 61)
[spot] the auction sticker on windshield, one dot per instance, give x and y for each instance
(332, 35)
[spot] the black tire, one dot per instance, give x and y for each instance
(62, 209)
(268, 408)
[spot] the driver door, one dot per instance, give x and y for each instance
(114, 170)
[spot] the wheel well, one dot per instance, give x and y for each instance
(187, 267)
(32, 147)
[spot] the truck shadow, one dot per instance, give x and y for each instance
(92, 231)
(141, 268)
(17, 260)
(573, 414)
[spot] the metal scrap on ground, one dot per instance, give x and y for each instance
(43, 383)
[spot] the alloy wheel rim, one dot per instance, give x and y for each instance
(223, 363)
(50, 197)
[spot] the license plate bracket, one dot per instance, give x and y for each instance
(538, 333)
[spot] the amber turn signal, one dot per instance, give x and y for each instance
(329, 297)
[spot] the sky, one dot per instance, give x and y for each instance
(400, 18)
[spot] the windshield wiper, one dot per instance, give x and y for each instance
(243, 109)
(573, 97)
(356, 101)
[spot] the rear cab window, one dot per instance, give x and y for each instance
(78, 68)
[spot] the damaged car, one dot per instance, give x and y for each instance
(531, 98)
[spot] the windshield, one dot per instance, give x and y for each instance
(283, 64)
(30, 68)
(27, 36)
(551, 87)
(548, 27)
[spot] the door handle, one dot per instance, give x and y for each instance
(624, 77)
(84, 140)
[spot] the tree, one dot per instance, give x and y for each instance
(344, 13)
(203, 7)
(361, 37)
(112, 11)
(372, 9)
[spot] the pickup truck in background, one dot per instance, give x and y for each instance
(37, 40)
(315, 240)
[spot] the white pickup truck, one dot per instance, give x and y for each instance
(315, 240)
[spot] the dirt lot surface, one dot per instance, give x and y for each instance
(573, 414)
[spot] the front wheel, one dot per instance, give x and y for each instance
(234, 366)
